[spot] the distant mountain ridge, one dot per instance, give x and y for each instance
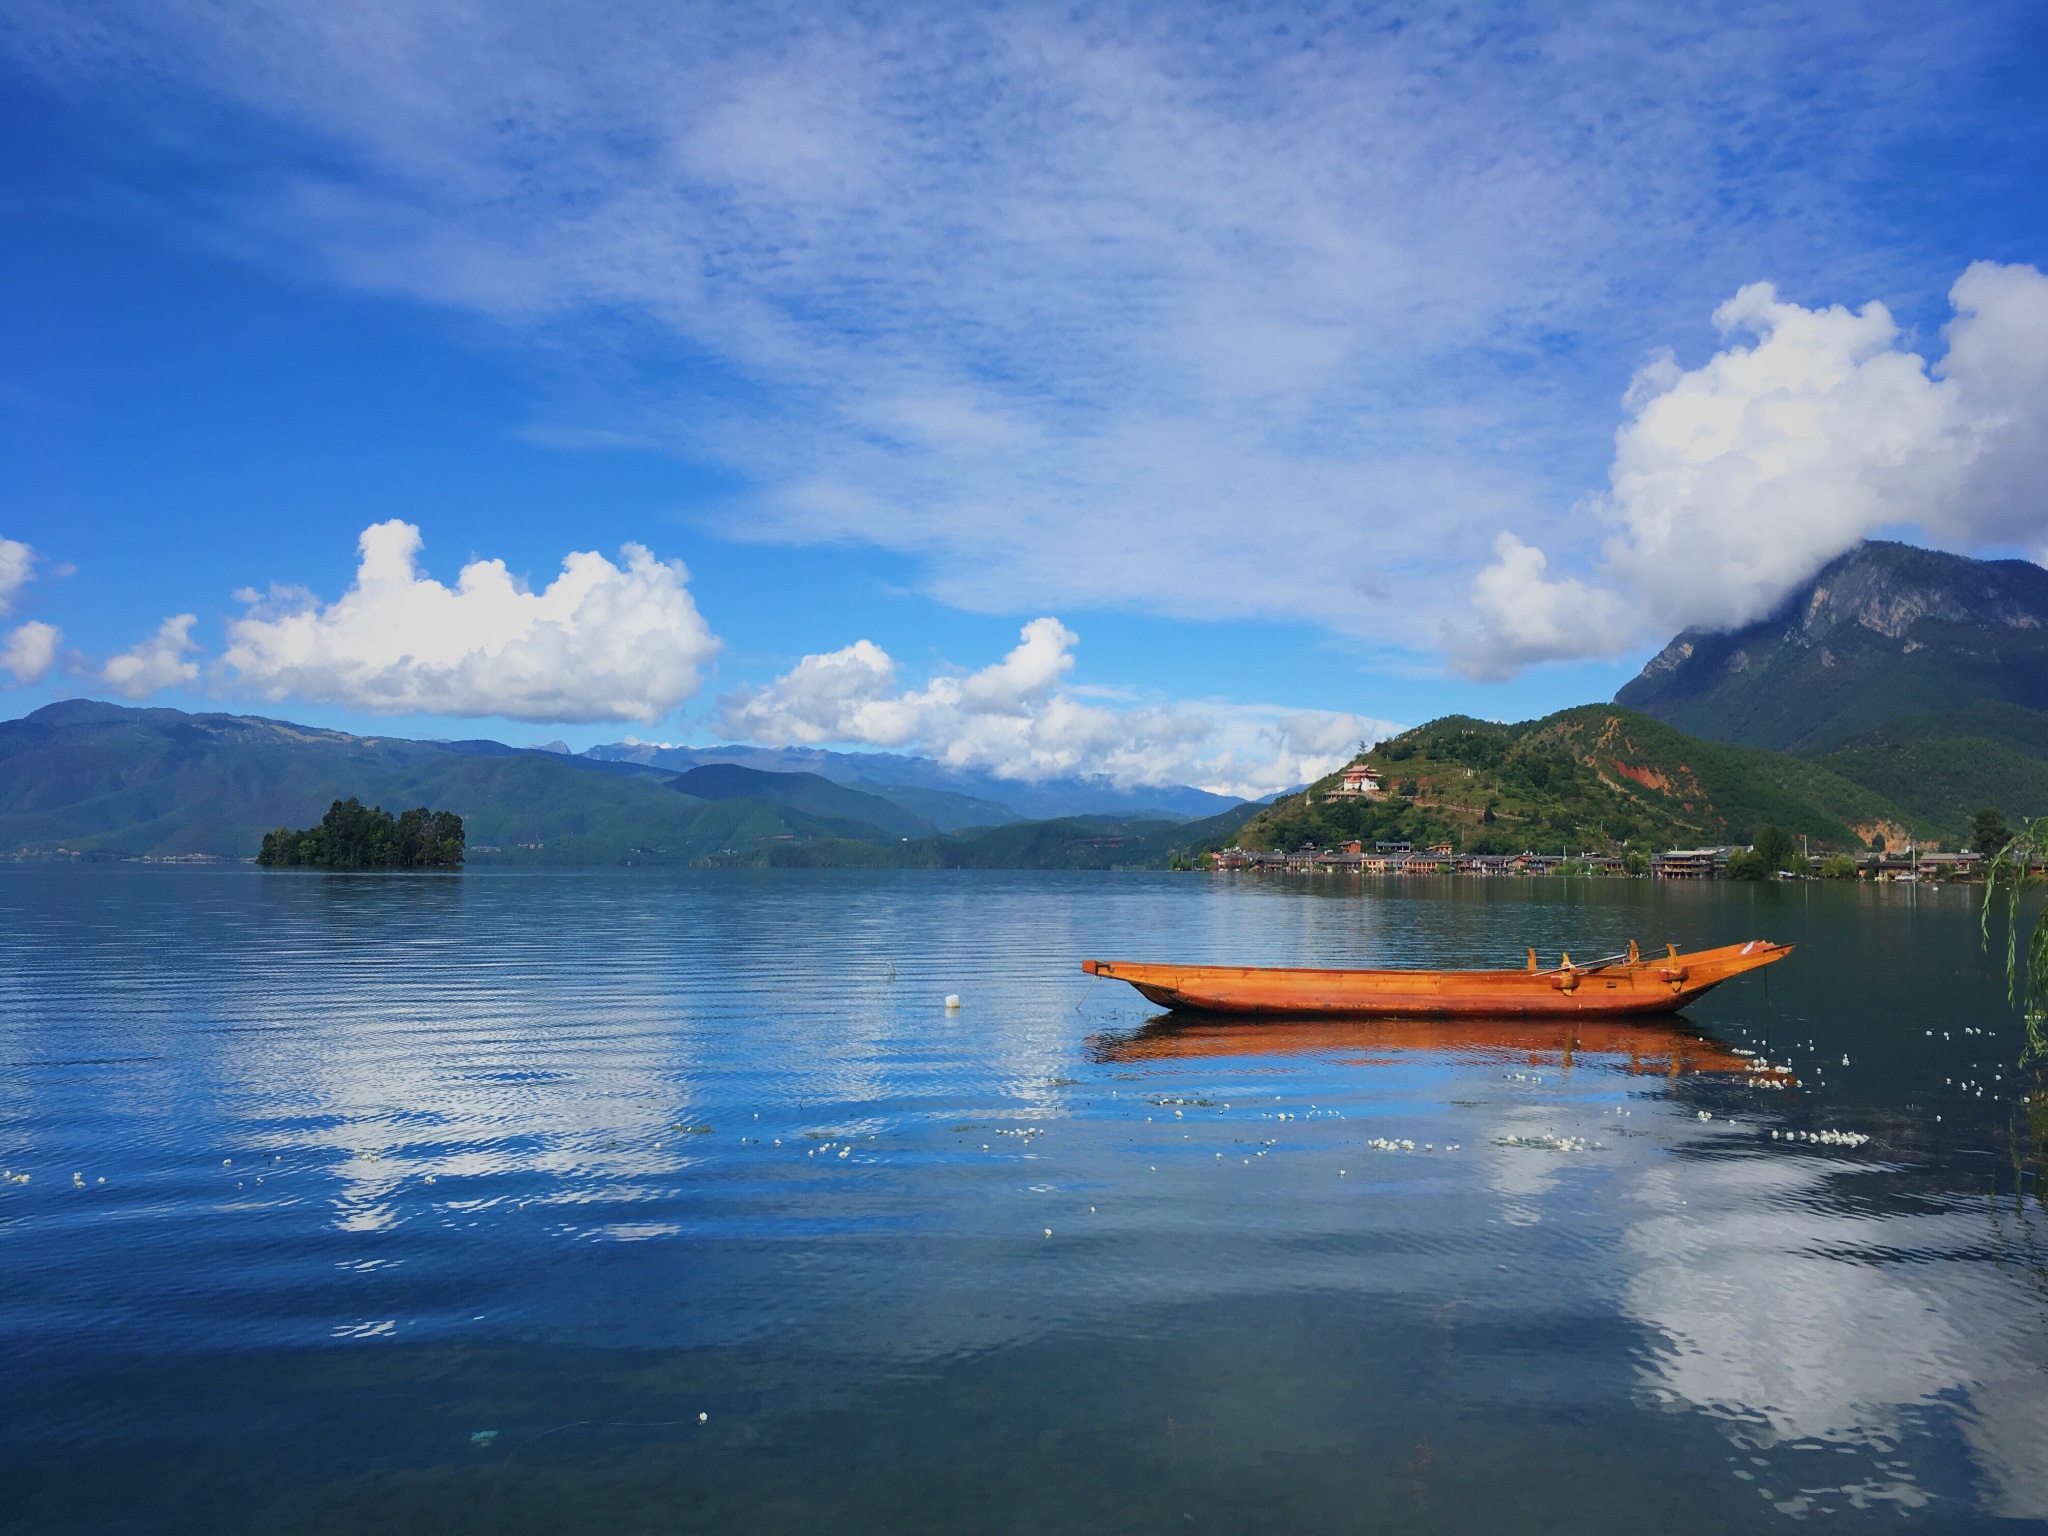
(1882, 634)
(100, 779)
(887, 774)
(164, 783)
(800, 791)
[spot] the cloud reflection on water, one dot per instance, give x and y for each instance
(1800, 1313)
(1789, 1307)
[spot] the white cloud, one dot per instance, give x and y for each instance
(157, 663)
(1207, 311)
(1526, 617)
(1016, 720)
(17, 569)
(843, 695)
(600, 642)
(1998, 361)
(1734, 482)
(1738, 480)
(31, 651)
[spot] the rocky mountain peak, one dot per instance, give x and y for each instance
(1884, 630)
(1888, 588)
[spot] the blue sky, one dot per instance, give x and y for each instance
(1314, 369)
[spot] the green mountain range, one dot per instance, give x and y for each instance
(160, 783)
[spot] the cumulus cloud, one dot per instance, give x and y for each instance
(1734, 482)
(30, 651)
(1998, 361)
(1014, 718)
(157, 663)
(1529, 617)
(600, 642)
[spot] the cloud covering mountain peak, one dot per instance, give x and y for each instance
(1813, 429)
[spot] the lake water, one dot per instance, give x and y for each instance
(678, 1202)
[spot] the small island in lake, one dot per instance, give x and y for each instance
(355, 836)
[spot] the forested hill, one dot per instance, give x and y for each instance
(1595, 778)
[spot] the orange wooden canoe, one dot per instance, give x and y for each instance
(1615, 984)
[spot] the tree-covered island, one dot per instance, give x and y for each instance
(355, 836)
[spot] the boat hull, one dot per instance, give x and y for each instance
(1648, 986)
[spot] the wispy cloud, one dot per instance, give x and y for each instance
(1018, 718)
(1197, 310)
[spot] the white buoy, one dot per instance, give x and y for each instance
(952, 1001)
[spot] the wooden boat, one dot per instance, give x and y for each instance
(1613, 985)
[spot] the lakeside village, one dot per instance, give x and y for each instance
(1401, 858)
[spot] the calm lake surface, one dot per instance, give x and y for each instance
(678, 1202)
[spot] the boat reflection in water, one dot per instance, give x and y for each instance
(1644, 1047)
